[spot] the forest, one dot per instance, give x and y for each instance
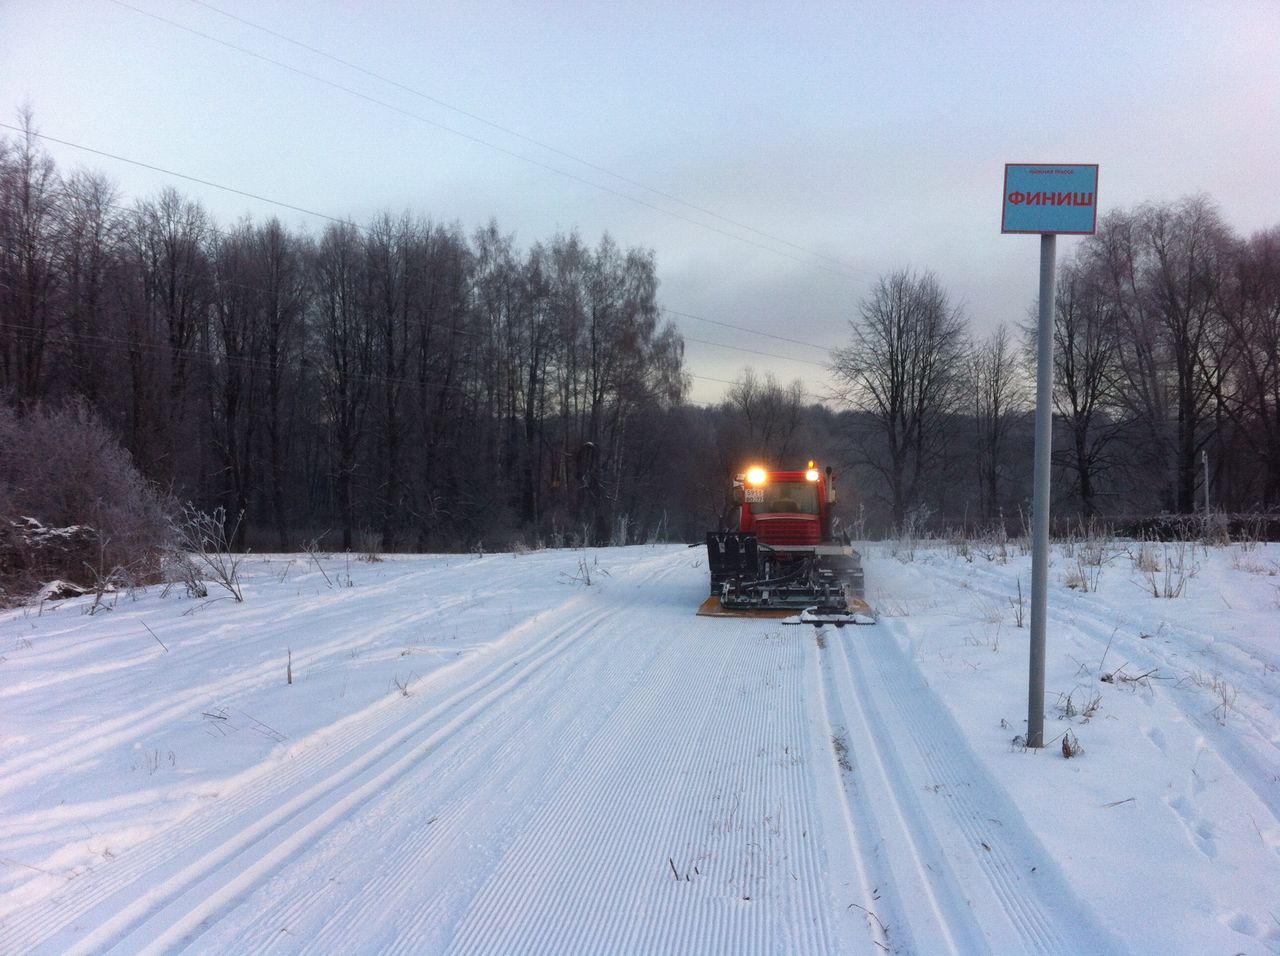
(405, 384)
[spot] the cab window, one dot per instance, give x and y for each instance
(784, 497)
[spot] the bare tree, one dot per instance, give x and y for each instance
(769, 414)
(904, 367)
(167, 309)
(346, 358)
(501, 311)
(534, 385)
(282, 300)
(1249, 392)
(1163, 268)
(998, 397)
(1086, 350)
(388, 247)
(1189, 245)
(91, 232)
(236, 371)
(1116, 255)
(29, 277)
(442, 270)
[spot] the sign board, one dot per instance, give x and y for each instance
(1050, 199)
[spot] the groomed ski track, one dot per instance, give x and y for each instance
(608, 775)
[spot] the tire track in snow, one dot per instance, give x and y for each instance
(101, 737)
(484, 740)
(487, 764)
(986, 896)
(246, 838)
(203, 645)
(92, 741)
(73, 645)
(345, 763)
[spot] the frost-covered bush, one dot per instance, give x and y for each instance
(63, 469)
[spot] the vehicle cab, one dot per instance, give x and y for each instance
(785, 507)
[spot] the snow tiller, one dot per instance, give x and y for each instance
(783, 561)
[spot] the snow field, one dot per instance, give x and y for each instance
(1167, 824)
(484, 754)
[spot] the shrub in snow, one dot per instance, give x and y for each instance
(73, 504)
(205, 539)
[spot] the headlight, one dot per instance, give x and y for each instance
(755, 476)
(811, 474)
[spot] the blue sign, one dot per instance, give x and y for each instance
(1050, 198)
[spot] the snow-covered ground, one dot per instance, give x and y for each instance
(548, 753)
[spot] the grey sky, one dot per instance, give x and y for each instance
(871, 134)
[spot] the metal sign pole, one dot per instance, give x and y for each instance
(1048, 199)
(1040, 493)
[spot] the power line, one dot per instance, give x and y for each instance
(739, 328)
(365, 229)
(739, 348)
(115, 343)
(475, 139)
(170, 172)
(518, 135)
(721, 381)
(33, 333)
(442, 284)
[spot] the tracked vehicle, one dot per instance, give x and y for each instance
(784, 560)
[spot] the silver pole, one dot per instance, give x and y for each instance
(1040, 494)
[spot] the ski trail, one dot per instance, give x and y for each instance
(721, 855)
(261, 825)
(996, 889)
(909, 894)
(85, 744)
(481, 781)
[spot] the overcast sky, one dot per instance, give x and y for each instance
(777, 157)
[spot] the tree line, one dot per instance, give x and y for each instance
(398, 384)
(1167, 336)
(404, 385)
(1166, 328)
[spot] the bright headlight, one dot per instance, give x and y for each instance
(755, 476)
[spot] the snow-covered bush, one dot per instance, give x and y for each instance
(60, 470)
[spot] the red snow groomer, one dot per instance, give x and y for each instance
(784, 561)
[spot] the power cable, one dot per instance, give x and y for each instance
(739, 328)
(170, 172)
(475, 139)
(739, 348)
(347, 222)
(438, 284)
(32, 333)
(117, 344)
(518, 135)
